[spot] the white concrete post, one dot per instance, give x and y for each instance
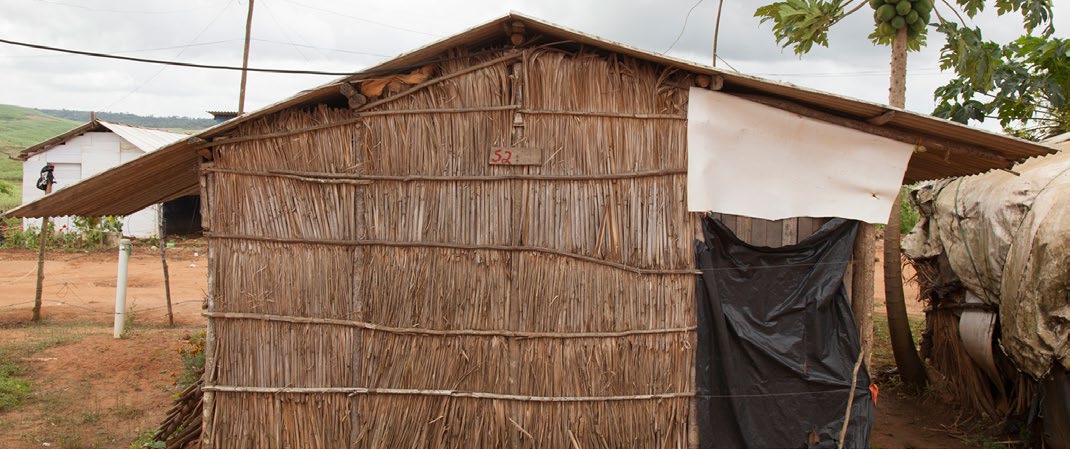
(120, 287)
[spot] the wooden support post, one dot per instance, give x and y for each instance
(163, 260)
(245, 59)
(40, 270)
(862, 278)
(41, 262)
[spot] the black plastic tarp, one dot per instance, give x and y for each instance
(777, 343)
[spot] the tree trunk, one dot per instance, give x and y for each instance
(911, 369)
(862, 278)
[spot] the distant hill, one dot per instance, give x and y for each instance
(19, 128)
(173, 122)
(23, 127)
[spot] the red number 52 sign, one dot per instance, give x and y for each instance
(515, 156)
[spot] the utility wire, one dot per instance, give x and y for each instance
(683, 27)
(158, 72)
(321, 48)
(361, 19)
(120, 11)
(173, 63)
(286, 34)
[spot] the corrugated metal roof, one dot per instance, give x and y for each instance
(147, 139)
(51, 142)
(953, 149)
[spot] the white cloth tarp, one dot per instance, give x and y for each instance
(1006, 238)
(746, 158)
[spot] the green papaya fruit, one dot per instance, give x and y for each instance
(885, 29)
(903, 7)
(918, 25)
(912, 17)
(898, 22)
(875, 3)
(884, 13)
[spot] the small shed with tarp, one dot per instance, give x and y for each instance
(990, 252)
(485, 242)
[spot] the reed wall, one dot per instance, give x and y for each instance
(376, 283)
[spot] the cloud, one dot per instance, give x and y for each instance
(341, 35)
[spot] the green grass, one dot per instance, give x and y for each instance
(14, 197)
(20, 128)
(14, 388)
(882, 342)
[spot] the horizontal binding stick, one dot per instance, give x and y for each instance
(442, 332)
(537, 249)
(510, 56)
(353, 391)
(608, 114)
(412, 178)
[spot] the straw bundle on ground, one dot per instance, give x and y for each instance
(964, 378)
(377, 283)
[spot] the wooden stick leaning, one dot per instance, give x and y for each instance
(636, 270)
(851, 398)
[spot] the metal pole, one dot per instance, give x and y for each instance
(245, 59)
(120, 287)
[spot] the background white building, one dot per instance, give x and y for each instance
(85, 151)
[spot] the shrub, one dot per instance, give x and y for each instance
(192, 353)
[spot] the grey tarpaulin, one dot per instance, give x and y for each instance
(777, 343)
(1005, 237)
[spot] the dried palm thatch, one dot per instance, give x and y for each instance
(376, 283)
(965, 380)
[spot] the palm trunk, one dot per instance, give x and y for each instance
(911, 369)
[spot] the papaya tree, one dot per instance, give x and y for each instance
(903, 25)
(1024, 84)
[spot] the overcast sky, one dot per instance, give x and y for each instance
(339, 35)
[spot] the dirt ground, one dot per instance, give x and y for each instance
(90, 390)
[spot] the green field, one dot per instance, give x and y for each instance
(24, 127)
(19, 128)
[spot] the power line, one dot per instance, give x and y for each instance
(317, 72)
(915, 72)
(173, 63)
(226, 41)
(321, 48)
(285, 33)
(683, 27)
(361, 19)
(120, 11)
(186, 47)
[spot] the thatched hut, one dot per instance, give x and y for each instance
(482, 243)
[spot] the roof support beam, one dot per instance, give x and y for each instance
(930, 142)
(882, 119)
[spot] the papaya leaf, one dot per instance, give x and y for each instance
(801, 23)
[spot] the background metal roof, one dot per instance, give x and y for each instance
(147, 139)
